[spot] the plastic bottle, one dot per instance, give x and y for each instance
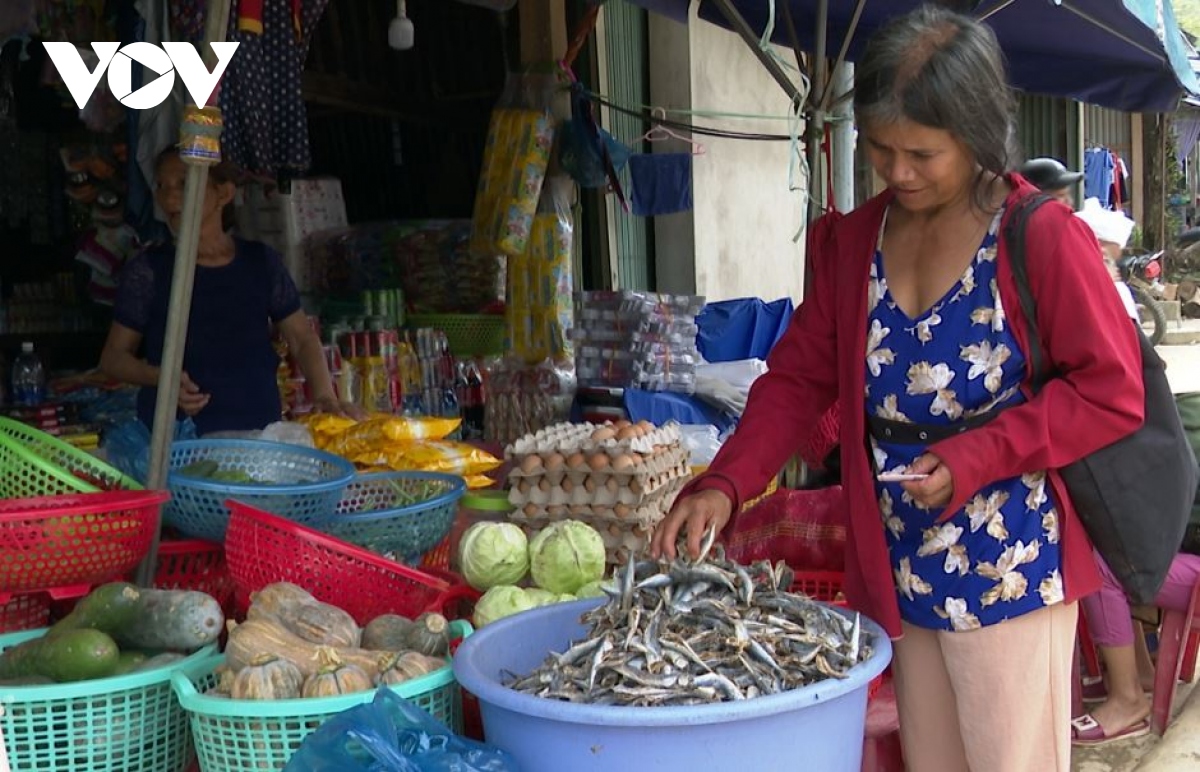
(28, 377)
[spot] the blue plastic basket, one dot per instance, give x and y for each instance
(402, 514)
(305, 484)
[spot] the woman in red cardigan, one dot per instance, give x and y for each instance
(914, 327)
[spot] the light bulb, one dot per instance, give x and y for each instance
(400, 32)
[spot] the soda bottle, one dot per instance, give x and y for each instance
(28, 377)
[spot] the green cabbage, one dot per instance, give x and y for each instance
(539, 597)
(500, 602)
(593, 589)
(565, 556)
(493, 554)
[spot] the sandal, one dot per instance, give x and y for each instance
(1087, 732)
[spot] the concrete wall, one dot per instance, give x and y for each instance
(740, 231)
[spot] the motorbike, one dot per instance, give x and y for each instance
(1143, 274)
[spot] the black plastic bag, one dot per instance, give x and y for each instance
(390, 734)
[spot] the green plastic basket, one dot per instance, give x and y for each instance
(33, 463)
(467, 334)
(127, 723)
(256, 735)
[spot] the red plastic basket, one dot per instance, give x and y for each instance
(75, 540)
(262, 548)
(194, 564)
(821, 585)
(27, 611)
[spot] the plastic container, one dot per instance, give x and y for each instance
(307, 484)
(467, 334)
(255, 735)
(127, 723)
(68, 541)
(33, 463)
(401, 514)
(262, 548)
(818, 727)
(24, 611)
(28, 377)
(194, 564)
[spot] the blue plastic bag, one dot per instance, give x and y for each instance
(128, 446)
(390, 734)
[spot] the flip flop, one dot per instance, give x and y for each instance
(1086, 732)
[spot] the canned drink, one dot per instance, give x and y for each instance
(368, 302)
(398, 314)
(333, 358)
(381, 303)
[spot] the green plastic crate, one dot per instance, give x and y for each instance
(127, 723)
(256, 735)
(33, 463)
(466, 334)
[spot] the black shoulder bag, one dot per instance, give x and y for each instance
(1133, 496)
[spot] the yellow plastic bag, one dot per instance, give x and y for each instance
(381, 432)
(325, 427)
(431, 456)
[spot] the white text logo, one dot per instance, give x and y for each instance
(177, 57)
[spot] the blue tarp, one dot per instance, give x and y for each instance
(741, 329)
(1125, 54)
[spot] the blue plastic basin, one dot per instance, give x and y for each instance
(818, 727)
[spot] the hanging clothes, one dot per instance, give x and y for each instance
(1119, 195)
(662, 183)
(266, 125)
(1097, 174)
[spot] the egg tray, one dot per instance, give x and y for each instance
(567, 439)
(620, 538)
(596, 488)
(649, 511)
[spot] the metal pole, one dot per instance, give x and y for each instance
(187, 240)
(816, 120)
(843, 138)
(739, 25)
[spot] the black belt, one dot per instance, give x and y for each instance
(907, 433)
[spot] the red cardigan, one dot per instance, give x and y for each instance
(1086, 335)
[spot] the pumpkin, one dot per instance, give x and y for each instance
(408, 665)
(304, 615)
(267, 677)
(386, 633)
(428, 634)
(335, 677)
(225, 677)
(267, 635)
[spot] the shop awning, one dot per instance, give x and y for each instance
(1124, 54)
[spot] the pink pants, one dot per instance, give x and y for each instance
(1107, 610)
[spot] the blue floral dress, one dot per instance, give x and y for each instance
(999, 556)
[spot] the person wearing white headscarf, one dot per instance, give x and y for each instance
(1112, 230)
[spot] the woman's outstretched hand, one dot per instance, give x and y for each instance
(694, 514)
(332, 406)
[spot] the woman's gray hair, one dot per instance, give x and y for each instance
(943, 70)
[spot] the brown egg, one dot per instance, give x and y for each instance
(645, 426)
(531, 464)
(576, 461)
(612, 485)
(524, 486)
(544, 485)
(623, 462)
(637, 458)
(567, 486)
(554, 461)
(589, 485)
(603, 433)
(531, 510)
(580, 510)
(622, 424)
(598, 462)
(622, 510)
(628, 433)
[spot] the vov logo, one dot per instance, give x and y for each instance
(165, 62)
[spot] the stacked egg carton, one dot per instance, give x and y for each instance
(620, 478)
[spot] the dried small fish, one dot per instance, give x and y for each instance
(691, 633)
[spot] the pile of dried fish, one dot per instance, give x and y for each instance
(684, 633)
